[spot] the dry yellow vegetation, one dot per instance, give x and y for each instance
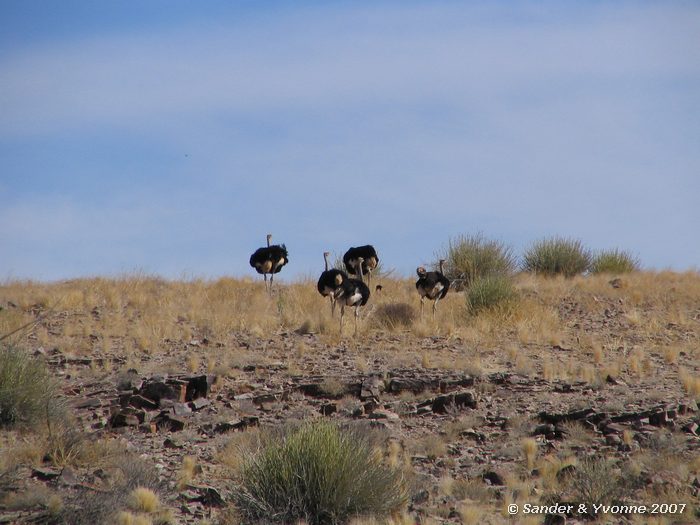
(640, 338)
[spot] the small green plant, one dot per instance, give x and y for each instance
(469, 257)
(557, 256)
(27, 390)
(320, 473)
(614, 261)
(490, 292)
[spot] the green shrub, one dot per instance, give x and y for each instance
(614, 261)
(557, 256)
(320, 473)
(28, 393)
(490, 292)
(469, 257)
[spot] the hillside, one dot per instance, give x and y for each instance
(582, 390)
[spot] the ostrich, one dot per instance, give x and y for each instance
(353, 292)
(269, 259)
(433, 285)
(361, 260)
(330, 283)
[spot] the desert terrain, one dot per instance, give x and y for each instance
(583, 390)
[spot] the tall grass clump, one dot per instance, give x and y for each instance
(487, 293)
(614, 261)
(27, 390)
(319, 473)
(557, 256)
(469, 257)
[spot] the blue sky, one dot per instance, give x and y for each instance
(169, 137)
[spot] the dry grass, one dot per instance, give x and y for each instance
(575, 330)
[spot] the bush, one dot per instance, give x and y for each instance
(557, 256)
(597, 481)
(614, 261)
(320, 473)
(27, 390)
(490, 292)
(473, 256)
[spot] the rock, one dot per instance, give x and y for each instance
(269, 397)
(159, 390)
(45, 474)
(92, 402)
(238, 424)
(328, 408)
(554, 519)
(171, 443)
(575, 415)
(68, 477)
(658, 419)
(464, 399)
(167, 422)
(211, 497)
(446, 385)
(544, 430)
(384, 414)
(199, 403)
(613, 440)
(612, 428)
(691, 428)
(371, 388)
(199, 386)
(320, 390)
(415, 385)
(181, 409)
(130, 380)
(127, 417)
(420, 497)
(494, 477)
(138, 401)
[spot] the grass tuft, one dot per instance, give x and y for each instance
(557, 256)
(597, 481)
(143, 499)
(615, 262)
(27, 390)
(469, 257)
(487, 293)
(320, 473)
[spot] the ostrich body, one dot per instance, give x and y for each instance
(433, 285)
(269, 259)
(361, 260)
(353, 292)
(330, 283)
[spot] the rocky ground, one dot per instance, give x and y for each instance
(482, 421)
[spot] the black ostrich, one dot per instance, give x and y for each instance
(269, 259)
(353, 292)
(330, 283)
(433, 285)
(361, 261)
